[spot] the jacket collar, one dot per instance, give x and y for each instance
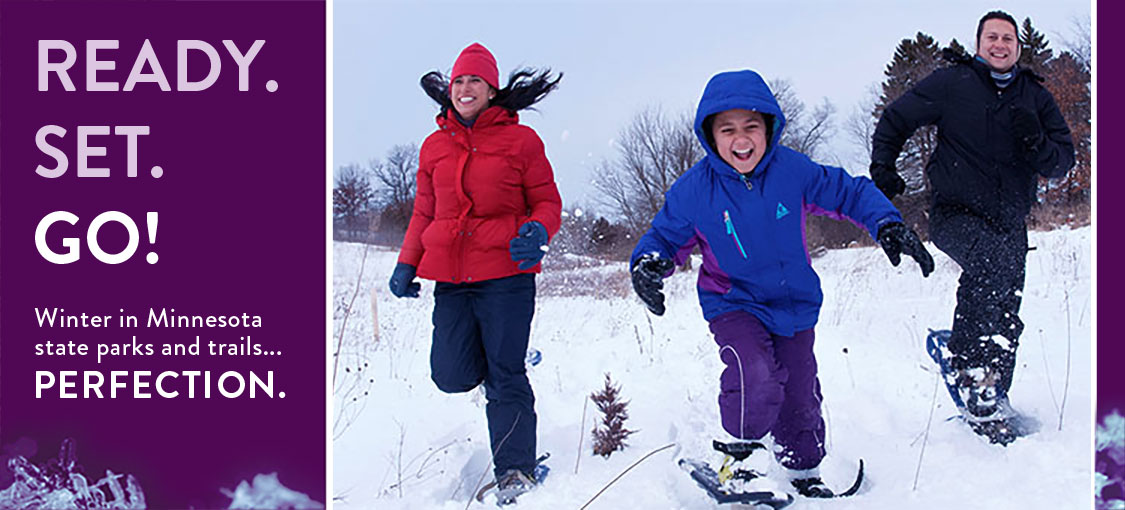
(492, 116)
(984, 70)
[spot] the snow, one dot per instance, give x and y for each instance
(267, 492)
(402, 444)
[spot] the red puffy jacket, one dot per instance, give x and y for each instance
(476, 187)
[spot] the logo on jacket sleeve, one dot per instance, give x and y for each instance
(781, 211)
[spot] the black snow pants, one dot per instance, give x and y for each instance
(481, 332)
(986, 323)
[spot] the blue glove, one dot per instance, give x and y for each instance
(530, 245)
(402, 281)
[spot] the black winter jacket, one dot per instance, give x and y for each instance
(978, 165)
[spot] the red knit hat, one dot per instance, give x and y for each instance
(476, 59)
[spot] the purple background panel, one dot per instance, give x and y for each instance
(1110, 182)
(241, 230)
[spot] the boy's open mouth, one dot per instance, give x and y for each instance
(743, 155)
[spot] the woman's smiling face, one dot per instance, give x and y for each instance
(470, 95)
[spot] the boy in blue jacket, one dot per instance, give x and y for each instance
(744, 204)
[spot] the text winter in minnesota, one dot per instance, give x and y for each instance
(164, 318)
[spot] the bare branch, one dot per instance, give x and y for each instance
(652, 152)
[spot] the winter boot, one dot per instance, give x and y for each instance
(808, 483)
(744, 467)
(977, 389)
(1004, 425)
(989, 413)
(511, 485)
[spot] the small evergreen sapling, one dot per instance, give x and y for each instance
(610, 434)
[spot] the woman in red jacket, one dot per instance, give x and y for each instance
(484, 212)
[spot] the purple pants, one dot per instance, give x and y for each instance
(769, 386)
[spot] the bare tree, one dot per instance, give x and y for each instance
(859, 127)
(351, 196)
(1078, 41)
(805, 132)
(652, 153)
(397, 178)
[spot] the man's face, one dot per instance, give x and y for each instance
(740, 138)
(998, 44)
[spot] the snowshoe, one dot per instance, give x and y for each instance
(973, 391)
(514, 483)
(708, 480)
(741, 479)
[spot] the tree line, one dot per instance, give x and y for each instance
(373, 202)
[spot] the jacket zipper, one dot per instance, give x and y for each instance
(732, 233)
(746, 180)
(459, 186)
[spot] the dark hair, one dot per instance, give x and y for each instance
(525, 87)
(998, 15)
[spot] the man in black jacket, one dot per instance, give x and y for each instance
(998, 130)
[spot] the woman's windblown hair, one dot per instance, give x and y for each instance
(525, 87)
(436, 86)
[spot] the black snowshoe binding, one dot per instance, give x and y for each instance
(511, 485)
(812, 487)
(735, 454)
(977, 388)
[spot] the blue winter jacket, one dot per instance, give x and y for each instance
(751, 230)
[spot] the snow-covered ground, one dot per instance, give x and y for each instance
(402, 444)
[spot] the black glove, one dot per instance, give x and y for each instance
(648, 279)
(896, 239)
(1026, 128)
(887, 179)
(530, 245)
(402, 281)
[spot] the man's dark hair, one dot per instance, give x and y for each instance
(997, 15)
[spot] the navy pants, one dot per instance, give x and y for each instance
(986, 323)
(481, 331)
(769, 386)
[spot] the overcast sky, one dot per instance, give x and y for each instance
(620, 57)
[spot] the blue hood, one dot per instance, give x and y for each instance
(738, 89)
